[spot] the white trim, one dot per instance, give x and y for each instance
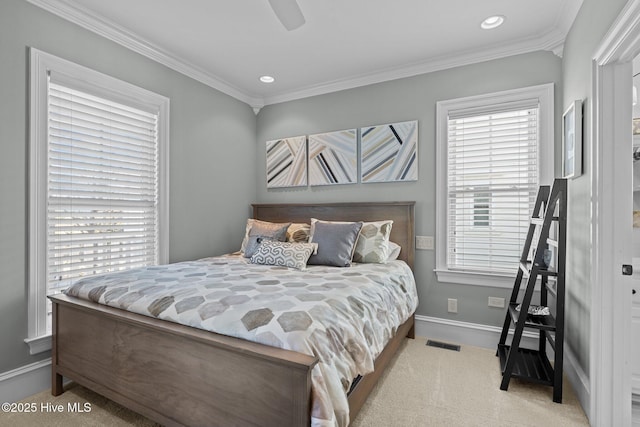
(37, 191)
(39, 344)
(552, 40)
(25, 381)
(41, 64)
(475, 334)
(578, 378)
(543, 94)
(475, 278)
(610, 350)
(486, 336)
(79, 15)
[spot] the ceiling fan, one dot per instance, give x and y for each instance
(288, 12)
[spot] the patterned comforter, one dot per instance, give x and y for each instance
(344, 316)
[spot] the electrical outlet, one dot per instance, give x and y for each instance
(496, 302)
(452, 305)
(424, 242)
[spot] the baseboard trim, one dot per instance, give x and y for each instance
(578, 378)
(25, 381)
(488, 336)
(466, 333)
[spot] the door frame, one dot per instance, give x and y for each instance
(611, 220)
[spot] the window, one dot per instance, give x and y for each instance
(493, 153)
(481, 203)
(98, 181)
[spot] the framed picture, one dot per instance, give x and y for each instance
(572, 141)
(287, 162)
(333, 158)
(389, 152)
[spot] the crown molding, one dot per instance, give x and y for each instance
(552, 40)
(88, 20)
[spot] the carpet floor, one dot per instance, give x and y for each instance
(423, 386)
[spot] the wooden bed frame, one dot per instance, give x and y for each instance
(178, 375)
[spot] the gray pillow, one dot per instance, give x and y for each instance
(336, 242)
(262, 231)
(253, 243)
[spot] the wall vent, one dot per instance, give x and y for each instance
(432, 343)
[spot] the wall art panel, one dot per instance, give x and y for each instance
(333, 158)
(287, 162)
(389, 152)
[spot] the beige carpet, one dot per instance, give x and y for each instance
(424, 386)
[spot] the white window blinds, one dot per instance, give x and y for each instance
(102, 194)
(492, 181)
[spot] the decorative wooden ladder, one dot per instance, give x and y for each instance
(516, 361)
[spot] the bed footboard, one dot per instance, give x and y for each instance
(177, 375)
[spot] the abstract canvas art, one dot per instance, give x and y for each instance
(333, 158)
(389, 152)
(287, 162)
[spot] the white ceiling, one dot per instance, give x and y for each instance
(229, 44)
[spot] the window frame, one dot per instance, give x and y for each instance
(41, 64)
(479, 104)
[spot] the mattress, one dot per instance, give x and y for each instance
(343, 316)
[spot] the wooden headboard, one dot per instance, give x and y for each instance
(402, 214)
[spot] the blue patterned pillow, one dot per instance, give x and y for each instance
(286, 254)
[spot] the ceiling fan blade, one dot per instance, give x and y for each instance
(288, 12)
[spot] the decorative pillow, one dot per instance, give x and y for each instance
(286, 254)
(264, 230)
(253, 243)
(298, 232)
(373, 243)
(245, 239)
(394, 251)
(336, 242)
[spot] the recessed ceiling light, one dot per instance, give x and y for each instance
(492, 22)
(267, 79)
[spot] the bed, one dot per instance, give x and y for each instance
(196, 377)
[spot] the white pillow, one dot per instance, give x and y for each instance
(373, 242)
(394, 251)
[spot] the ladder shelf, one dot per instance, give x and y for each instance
(546, 236)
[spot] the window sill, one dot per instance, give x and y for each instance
(475, 278)
(39, 344)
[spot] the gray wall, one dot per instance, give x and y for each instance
(591, 24)
(212, 138)
(411, 98)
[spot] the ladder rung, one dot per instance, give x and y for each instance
(527, 266)
(546, 272)
(540, 221)
(552, 242)
(547, 323)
